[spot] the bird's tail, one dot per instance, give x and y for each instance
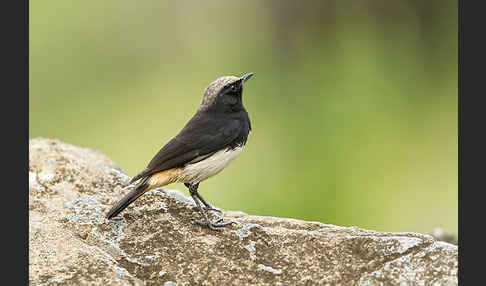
(138, 190)
(145, 184)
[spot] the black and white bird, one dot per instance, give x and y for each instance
(213, 138)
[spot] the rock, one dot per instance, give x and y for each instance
(154, 242)
(439, 234)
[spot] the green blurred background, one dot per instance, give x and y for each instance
(353, 103)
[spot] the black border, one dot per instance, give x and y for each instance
(14, 22)
(471, 140)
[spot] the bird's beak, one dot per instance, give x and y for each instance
(246, 77)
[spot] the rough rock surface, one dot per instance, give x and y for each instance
(153, 242)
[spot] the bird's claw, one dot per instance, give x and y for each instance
(213, 225)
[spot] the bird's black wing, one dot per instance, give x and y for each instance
(202, 136)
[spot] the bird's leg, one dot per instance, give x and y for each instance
(208, 206)
(206, 222)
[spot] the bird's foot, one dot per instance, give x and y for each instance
(213, 225)
(208, 209)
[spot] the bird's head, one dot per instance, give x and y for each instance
(224, 94)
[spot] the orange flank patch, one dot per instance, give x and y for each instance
(165, 177)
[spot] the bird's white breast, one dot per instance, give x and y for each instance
(199, 171)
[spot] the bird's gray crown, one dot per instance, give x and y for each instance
(214, 88)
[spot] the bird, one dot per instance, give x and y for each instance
(210, 140)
